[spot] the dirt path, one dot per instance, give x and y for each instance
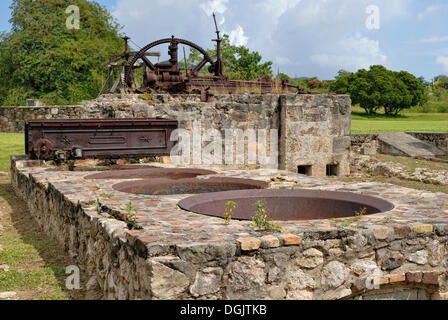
(31, 265)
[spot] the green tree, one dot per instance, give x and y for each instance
(239, 61)
(43, 59)
(343, 73)
(381, 88)
(423, 81)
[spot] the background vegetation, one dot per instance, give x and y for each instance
(239, 62)
(42, 59)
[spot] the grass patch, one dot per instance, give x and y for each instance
(364, 123)
(11, 144)
(410, 163)
(37, 264)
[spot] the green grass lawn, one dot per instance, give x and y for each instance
(434, 122)
(10, 144)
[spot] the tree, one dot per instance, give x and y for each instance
(441, 82)
(381, 88)
(43, 59)
(423, 81)
(239, 62)
(343, 73)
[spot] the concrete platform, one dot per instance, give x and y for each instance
(403, 144)
(182, 255)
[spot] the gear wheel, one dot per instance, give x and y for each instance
(43, 149)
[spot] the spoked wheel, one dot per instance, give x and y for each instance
(168, 71)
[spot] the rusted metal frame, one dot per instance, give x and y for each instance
(102, 138)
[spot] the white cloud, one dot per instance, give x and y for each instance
(352, 54)
(237, 37)
(280, 60)
(214, 6)
(444, 62)
(435, 39)
(428, 11)
(306, 37)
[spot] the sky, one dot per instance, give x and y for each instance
(301, 37)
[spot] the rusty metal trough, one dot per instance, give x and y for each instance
(98, 138)
(283, 205)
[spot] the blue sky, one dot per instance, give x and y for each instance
(301, 37)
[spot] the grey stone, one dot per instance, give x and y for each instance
(277, 292)
(369, 149)
(419, 257)
(359, 241)
(207, 282)
(193, 252)
(389, 260)
(300, 295)
(341, 144)
(337, 294)
(334, 274)
(436, 252)
(310, 259)
(365, 268)
(296, 279)
(166, 283)
(246, 279)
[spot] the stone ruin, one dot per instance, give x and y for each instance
(398, 251)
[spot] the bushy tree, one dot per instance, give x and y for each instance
(441, 82)
(43, 59)
(381, 88)
(239, 62)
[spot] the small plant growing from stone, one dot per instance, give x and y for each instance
(260, 219)
(361, 212)
(230, 206)
(131, 217)
(147, 96)
(98, 187)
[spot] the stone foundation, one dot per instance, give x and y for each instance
(179, 255)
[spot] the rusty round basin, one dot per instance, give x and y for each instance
(282, 205)
(151, 172)
(163, 186)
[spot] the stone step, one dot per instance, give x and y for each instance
(402, 144)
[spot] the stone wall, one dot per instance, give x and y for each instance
(438, 139)
(367, 143)
(313, 130)
(315, 134)
(12, 119)
(315, 264)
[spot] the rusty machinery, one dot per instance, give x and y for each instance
(98, 138)
(168, 76)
